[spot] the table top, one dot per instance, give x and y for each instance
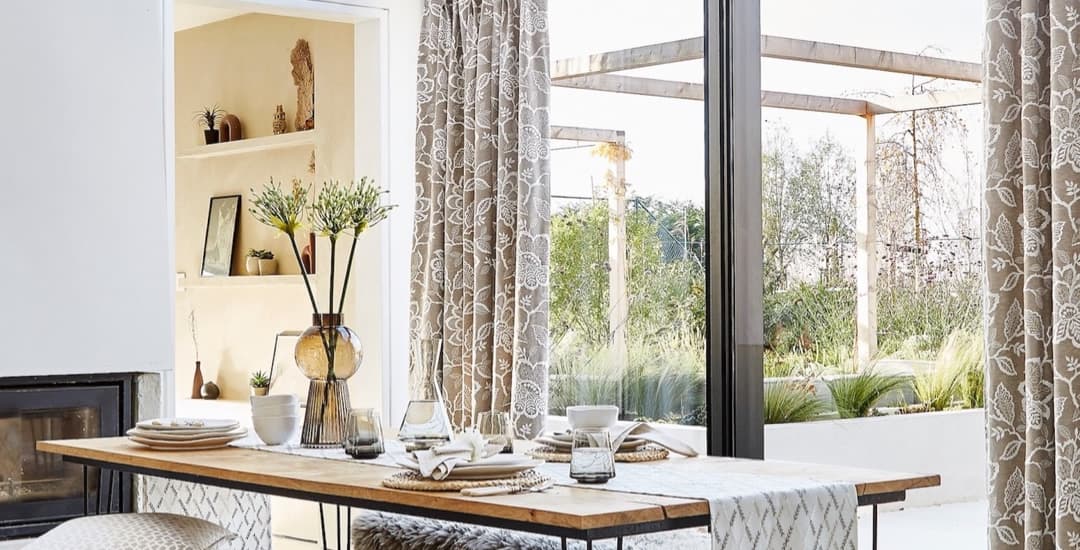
(563, 506)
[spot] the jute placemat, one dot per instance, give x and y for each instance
(412, 481)
(647, 454)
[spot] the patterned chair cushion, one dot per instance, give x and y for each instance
(133, 532)
(382, 531)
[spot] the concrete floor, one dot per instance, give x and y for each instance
(949, 527)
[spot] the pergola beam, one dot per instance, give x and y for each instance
(781, 100)
(776, 47)
(595, 135)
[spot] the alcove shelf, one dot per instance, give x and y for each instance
(250, 145)
(183, 282)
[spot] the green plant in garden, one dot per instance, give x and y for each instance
(855, 396)
(259, 379)
(936, 388)
(973, 388)
(792, 402)
(963, 352)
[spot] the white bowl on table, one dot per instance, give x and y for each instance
(276, 400)
(275, 430)
(276, 410)
(592, 416)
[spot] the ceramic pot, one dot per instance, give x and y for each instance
(252, 265)
(211, 136)
(267, 267)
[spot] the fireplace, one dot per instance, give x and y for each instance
(38, 490)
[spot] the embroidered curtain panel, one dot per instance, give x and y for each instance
(1032, 116)
(482, 234)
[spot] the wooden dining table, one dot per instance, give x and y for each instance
(564, 511)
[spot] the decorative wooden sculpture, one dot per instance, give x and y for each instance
(280, 126)
(303, 74)
(230, 129)
(311, 163)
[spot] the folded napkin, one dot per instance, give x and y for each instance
(642, 430)
(438, 462)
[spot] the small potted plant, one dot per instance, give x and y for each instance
(267, 263)
(252, 263)
(208, 118)
(260, 383)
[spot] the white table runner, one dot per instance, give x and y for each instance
(749, 512)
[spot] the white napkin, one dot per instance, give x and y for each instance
(642, 430)
(437, 463)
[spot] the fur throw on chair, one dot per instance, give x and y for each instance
(381, 531)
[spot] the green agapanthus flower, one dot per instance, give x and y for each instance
(278, 209)
(368, 209)
(331, 213)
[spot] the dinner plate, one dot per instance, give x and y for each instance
(209, 442)
(177, 435)
(480, 471)
(566, 446)
(188, 424)
(194, 448)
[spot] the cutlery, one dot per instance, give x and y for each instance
(506, 490)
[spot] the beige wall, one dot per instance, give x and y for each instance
(242, 64)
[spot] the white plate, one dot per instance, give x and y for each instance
(476, 472)
(566, 446)
(159, 444)
(184, 435)
(189, 424)
(195, 448)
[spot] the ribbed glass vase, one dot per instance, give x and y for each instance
(327, 414)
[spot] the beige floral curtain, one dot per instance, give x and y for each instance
(482, 235)
(1032, 80)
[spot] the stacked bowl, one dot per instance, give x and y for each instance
(276, 418)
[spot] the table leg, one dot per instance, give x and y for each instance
(564, 543)
(873, 532)
(588, 544)
(618, 543)
(322, 526)
(348, 528)
(85, 492)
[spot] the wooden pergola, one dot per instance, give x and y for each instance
(599, 72)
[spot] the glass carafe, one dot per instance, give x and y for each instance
(426, 421)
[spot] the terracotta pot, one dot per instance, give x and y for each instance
(252, 265)
(260, 391)
(267, 267)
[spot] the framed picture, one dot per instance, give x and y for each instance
(221, 227)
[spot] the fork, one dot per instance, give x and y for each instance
(506, 490)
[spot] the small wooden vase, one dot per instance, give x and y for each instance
(197, 382)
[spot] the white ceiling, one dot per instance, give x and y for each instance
(187, 15)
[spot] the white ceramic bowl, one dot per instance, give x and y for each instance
(592, 416)
(276, 400)
(276, 410)
(275, 430)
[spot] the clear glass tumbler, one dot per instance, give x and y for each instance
(496, 428)
(592, 459)
(363, 436)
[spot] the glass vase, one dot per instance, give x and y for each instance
(426, 421)
(327, 413)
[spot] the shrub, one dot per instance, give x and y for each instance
(791, 402)
(855, 396)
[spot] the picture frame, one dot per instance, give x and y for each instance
(222, 225)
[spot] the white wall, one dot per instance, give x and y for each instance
(87, 284)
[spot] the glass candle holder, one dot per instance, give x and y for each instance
(496, 428)
(363, 436)
(592, 459)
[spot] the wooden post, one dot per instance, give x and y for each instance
(866, 251)
(618, 274)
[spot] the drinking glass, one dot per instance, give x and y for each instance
(363, 436)
(592, 459)
(496, 428)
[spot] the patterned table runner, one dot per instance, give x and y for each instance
(749, 511)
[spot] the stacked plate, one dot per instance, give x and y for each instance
(498, 466)
(563, 443)
(186, 434)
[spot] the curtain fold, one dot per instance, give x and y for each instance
(1032, 219)
(480, 259)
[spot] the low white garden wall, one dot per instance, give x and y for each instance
(951, 444)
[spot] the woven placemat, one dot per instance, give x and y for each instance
(412, 481)
(645, 454)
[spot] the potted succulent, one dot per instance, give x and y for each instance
(252, 263)
(267, 263)
(260, 383)
(208, 118)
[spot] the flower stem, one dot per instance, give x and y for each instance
(303, 273)
(348, 271)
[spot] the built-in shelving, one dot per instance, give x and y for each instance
(183, 282)
(251, 145)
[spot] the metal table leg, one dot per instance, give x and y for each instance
(873, 532)
(322, 526)
(85, 492)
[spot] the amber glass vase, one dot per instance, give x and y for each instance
(327, 414)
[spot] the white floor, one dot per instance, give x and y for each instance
(948, 527)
